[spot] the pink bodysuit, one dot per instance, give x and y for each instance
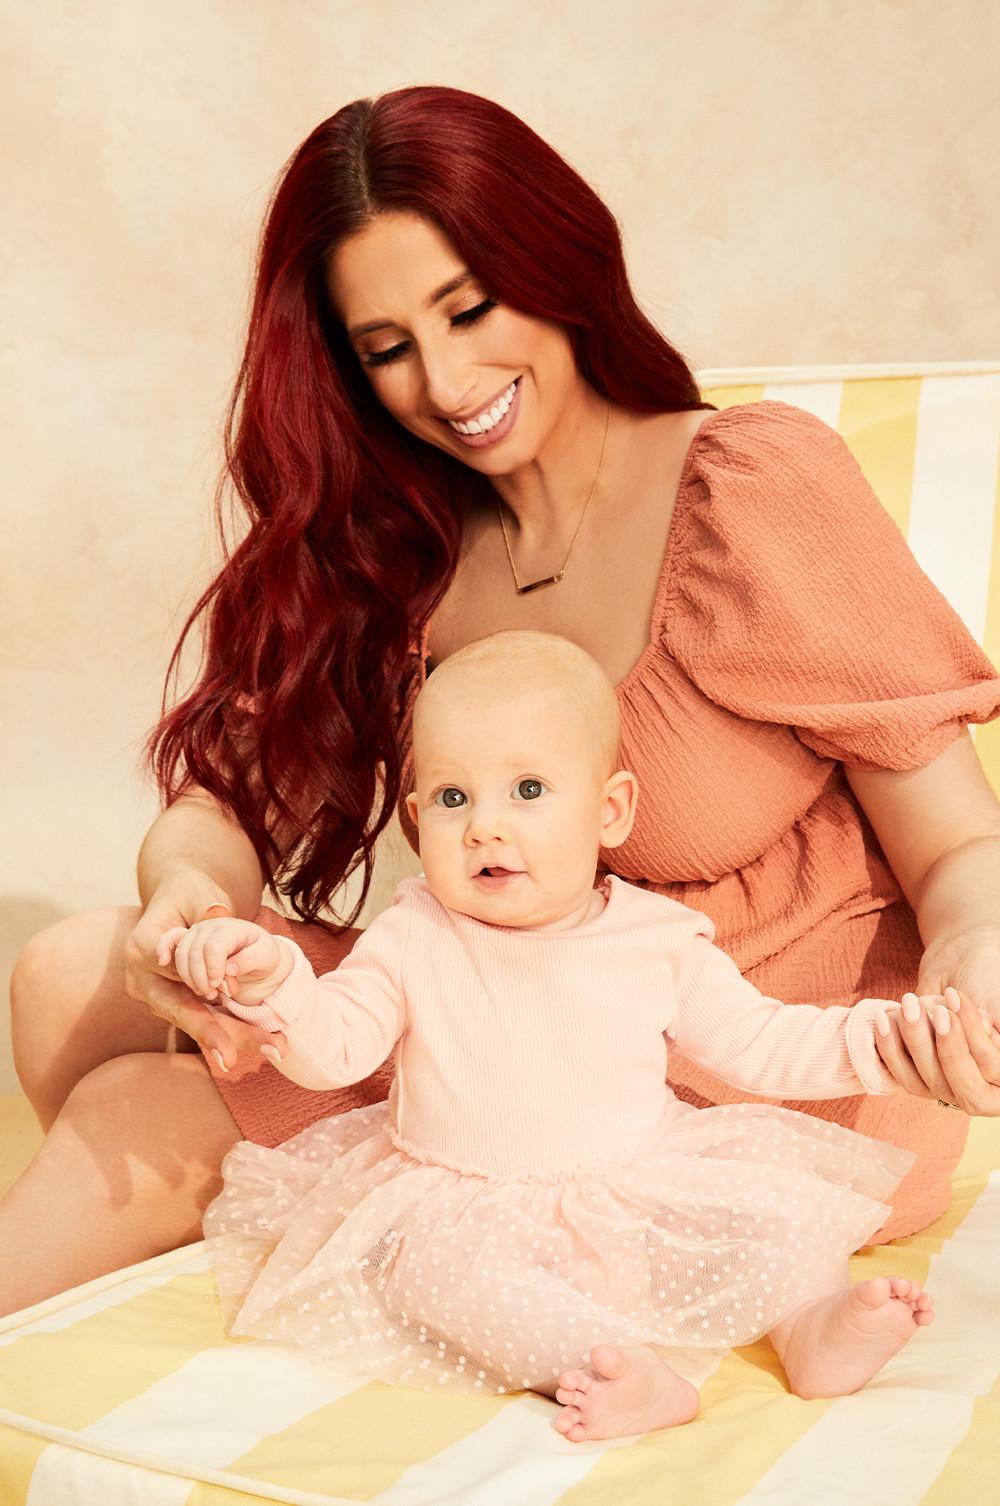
(533, 1186)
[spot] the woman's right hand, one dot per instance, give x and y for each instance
(159, 987)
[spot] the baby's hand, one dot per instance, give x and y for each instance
(232, 957)
(911, 1034)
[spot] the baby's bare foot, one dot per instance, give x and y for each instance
(626, 1391)
(837, 1344)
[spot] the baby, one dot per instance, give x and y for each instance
(533, 1207)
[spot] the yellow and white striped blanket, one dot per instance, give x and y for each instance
(126, 1392)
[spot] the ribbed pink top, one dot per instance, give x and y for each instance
(543, 1051)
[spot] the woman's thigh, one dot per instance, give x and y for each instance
(69, 1008)
(128, 1167)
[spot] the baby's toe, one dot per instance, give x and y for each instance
(568, 1418)
(576, 1380)
(568, 1396)
(901, 1288)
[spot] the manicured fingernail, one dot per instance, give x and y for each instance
(671, 1032)
(882, 1022)
(273, 1055)
(953, 999)
(219, 1062)
(911, 1008)
(942, 1019)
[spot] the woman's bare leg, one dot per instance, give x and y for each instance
(70, 1011)
(126, 1171)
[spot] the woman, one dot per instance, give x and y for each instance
(452, 418)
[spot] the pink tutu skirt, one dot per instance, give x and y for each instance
(370, 1255)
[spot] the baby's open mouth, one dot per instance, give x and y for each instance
(495, 872)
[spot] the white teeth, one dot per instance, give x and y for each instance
(489, 418)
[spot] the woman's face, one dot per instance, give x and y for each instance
(436, 346)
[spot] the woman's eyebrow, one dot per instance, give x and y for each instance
(450, 286)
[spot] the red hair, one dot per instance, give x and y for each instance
(354, 523)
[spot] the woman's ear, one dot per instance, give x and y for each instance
(618, 805)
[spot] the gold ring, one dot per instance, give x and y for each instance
(946, 1105)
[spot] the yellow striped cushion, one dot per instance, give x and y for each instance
(126, 1391)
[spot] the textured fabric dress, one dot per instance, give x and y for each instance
(792, 634)
(533, 1186)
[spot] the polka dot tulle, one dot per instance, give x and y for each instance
(345, 1245)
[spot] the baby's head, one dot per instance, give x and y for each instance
(515, 747)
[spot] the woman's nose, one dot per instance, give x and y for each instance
(449, 384)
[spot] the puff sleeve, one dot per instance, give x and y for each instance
(794, 599)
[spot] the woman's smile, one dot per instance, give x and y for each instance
(491, 425)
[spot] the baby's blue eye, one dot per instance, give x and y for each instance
(529, 789)
(451, 798)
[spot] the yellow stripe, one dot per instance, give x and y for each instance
(75, 1376)
(971, 1471)
(878, 422)
(18, 1456)
(728, 397)
(361, 1444)
(738, 1436)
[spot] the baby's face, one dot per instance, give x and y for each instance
(509, 802)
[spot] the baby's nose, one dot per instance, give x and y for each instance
(486, 826)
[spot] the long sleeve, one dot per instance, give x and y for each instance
(342, 1025)
(763, 1046)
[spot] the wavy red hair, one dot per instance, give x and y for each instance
(354, 524)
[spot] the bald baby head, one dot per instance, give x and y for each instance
(505, 668)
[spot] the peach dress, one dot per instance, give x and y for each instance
(533, 1186)
(793, 633)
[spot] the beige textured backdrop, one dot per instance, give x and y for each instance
(798, 181)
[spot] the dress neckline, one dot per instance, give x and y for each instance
(660, 598)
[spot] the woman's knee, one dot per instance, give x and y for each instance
(62, 963)
(69, 1009)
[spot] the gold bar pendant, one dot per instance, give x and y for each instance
(536, 585)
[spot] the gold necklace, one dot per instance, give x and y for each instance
(552, 580)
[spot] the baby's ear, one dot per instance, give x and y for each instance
(411, 807)
(618, 805)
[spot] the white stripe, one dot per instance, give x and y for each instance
(954, 491)
(66, 1477)
(823, 400)
(908, 1419)
(518, 1455)
(179, 1417)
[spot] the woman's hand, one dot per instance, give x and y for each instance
(158, 986)
(943, 1047)
(968, 962)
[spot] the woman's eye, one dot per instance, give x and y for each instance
(450, 798)
(383, 357)
(471, 316)
(529, 789)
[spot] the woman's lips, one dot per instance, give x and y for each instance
(497, 433)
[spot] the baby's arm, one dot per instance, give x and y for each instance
(335, 1029)
(760, 1045)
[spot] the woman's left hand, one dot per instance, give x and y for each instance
(951, 1053)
